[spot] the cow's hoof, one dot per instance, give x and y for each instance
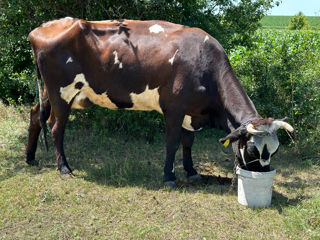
(170, 184)
(66, 173)
(30, 159)
(32, 162)
(65, 170)
(195, 178)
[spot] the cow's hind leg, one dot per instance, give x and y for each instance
(61, 114)
(187, 141)
(34, 131)
(173, 120)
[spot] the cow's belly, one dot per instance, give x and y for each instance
(147, 100)
(81, 93)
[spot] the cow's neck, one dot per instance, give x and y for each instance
(239, 107)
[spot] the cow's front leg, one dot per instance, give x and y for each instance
(187, 141)
(57, 138)
(173, 120)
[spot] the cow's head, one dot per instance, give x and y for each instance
(255, 143)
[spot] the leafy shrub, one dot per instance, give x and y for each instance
(136, 124)
(281, 74)
(16, 70)
(299, 22)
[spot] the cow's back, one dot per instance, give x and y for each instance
(124, 64)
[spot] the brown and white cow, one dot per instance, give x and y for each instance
(181, 72)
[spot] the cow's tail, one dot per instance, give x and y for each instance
(42, 113)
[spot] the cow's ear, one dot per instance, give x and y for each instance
(233, 136)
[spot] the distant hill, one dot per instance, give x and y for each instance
(281, 22)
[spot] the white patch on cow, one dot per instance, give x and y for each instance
(264, 163)
(101, 100)
(116, 59)
(206, 39)
(242, 155)
(69, 92)
(186, 124)
(77, 100)
(172, 59)
(272, 143)
(148, 100)
(69, 60)
(156, 28)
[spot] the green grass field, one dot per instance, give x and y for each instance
(281, 22)
(117, 192)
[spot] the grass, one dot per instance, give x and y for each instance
(118, 193)
(281, 22)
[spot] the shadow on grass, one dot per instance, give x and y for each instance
(118, 160)
(279, 201)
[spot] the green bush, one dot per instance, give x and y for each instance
(299, 22)
(281, 74)
(136, 124)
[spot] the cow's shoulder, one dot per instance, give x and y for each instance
(199, 36)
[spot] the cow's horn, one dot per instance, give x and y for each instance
(252, 130)
(284, 125)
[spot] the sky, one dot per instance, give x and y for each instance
(292, 7)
